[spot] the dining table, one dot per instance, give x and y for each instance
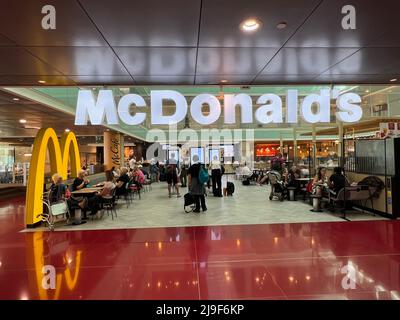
(86, 192)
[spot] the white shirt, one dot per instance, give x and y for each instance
(215, 164)
(132, 163)
(246, 171)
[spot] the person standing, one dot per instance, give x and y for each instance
(172, 180)
(197, 188)
(183, 175)
(216, 174)
(277, 162)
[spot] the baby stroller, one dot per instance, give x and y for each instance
(277, 185)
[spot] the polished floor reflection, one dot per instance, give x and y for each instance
(274, 261)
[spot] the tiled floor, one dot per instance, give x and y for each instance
(249, 205)
(268, 261)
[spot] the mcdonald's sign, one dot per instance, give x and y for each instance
(59, 154)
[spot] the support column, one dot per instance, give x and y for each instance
(113, 150)
(294, 145)
(281, 144)
(314, 146)
(341, 142)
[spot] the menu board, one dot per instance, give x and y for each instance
(266, 150)
(173, 156)
(228, 150)
(214, 153)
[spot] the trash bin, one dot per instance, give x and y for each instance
(291, 193)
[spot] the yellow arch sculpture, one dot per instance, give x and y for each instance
(59, 154)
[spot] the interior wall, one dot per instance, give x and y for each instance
(379, 203)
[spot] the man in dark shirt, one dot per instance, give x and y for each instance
(196, 188)
(121, 182)
(337, 180)
(80, 181)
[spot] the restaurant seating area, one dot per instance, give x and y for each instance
(249, 205)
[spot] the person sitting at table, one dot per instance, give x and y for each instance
(94, 202)
(320, 182)
(138, 176)
(107, 191)
(58, 193)
(115, 172)
(121, 182)
(337, 180)
(292, 176)
(80, 181)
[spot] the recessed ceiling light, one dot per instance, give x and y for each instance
(367, 91)
(250, 24)
(22, 121)
(42, 81)
(16, 99)
(281, 25)
(393, 80)
(67, 130)
(224, 81)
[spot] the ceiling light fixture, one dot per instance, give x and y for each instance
(42, 81)
(224, 81)
(22, 121)
(16, 99)
(281, 25)
(67, 130)
(393, 80)
(250, 24)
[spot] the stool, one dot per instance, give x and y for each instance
(316, 201)
(291, 193)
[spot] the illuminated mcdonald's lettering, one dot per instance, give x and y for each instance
(59, 153)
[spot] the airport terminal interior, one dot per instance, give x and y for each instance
(150, 152)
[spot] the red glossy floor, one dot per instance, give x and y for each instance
(281, 261)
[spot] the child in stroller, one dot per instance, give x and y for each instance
(278, 188)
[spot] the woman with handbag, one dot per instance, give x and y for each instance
(59, 194)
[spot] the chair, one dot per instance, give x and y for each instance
(353, 193)
(109, 204)
(128, 194)
(54, 210)
(147, 185)
(135, 188)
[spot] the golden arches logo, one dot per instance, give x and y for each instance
(59, 154)
(36, 254)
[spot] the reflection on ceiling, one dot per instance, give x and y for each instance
(198, 42)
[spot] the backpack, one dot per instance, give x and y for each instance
(203, 175)
(230, 188)
(188, 201)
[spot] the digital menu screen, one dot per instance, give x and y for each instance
(228, 150)
(199, 152)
